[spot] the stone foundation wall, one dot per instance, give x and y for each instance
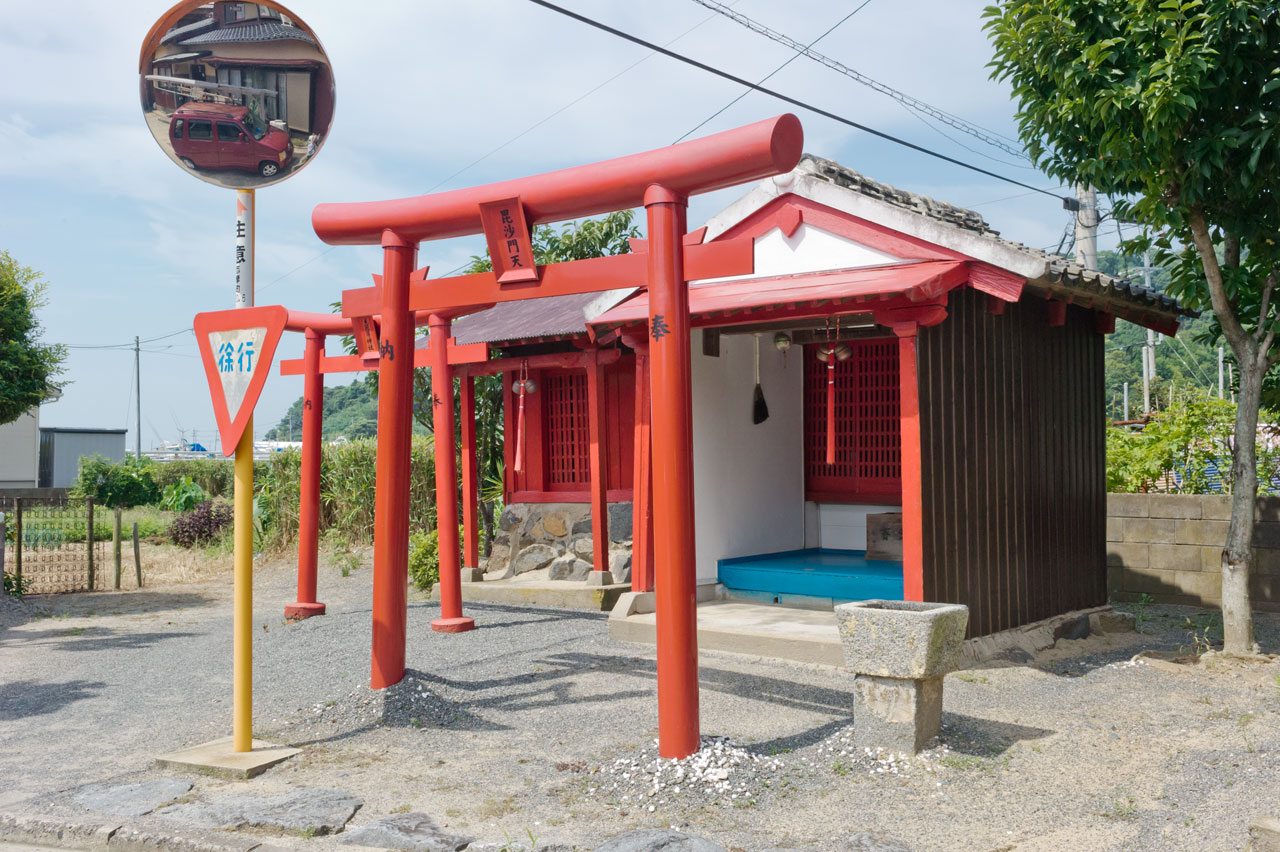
(1169, 546)
(557, 536)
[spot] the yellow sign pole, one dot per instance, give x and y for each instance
(242, 629)
(242, 616)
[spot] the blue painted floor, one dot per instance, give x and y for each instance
(837, 575)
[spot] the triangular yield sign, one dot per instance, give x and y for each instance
(237, 347)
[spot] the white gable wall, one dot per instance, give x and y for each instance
(809, 249)
(748, 479)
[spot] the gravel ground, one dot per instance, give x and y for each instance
(538, 724)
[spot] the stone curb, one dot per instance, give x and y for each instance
(119, 837)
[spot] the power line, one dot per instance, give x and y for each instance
(988, 136)
(129, 345)
(793, 58)
(1008, 198)
(784, 98)
(953, 140)
(518, 136)
(571, 103)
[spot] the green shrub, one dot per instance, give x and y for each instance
(15, 586)
(182, 496)
(116, 484)
(215, 476)
(43, 536)
(424, 559)
(347, 488)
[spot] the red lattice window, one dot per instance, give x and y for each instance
(567, 429)
(868, 431)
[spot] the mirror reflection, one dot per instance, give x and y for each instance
(240, 94)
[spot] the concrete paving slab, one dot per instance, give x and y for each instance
(136, 799)
(411, 832)
(309, 812)
(806, 636)
(217, 758)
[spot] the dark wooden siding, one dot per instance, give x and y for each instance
(1012, 459)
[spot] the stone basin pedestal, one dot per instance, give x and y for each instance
(899, 652)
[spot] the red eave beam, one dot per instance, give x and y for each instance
(570, 360)
(713, 162)
(470, 293)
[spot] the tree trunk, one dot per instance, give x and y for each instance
(1237, 556)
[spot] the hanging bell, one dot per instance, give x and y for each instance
(843, 351)
(782, 341)
(530, 386)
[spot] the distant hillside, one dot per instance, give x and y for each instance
(350, 411)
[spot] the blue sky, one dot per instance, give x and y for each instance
(131, 245)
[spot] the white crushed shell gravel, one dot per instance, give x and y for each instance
(720, 773)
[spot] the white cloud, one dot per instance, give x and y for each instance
(132, 245)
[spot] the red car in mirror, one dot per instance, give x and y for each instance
(221, 136)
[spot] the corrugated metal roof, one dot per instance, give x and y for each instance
(256, 31)
(554, 316)
(180, 57)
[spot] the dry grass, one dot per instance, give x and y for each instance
(163, 564)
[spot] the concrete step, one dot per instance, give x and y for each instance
(805, 636)
(566, 594)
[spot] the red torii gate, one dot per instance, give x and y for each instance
(661, 181)
(312, 367)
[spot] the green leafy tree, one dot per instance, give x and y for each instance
(1171, 108)
(1188, 448)
(28, 368)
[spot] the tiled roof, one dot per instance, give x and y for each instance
(256, 31)
(1062, 272)
(179, 33)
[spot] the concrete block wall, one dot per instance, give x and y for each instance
(1169, 546)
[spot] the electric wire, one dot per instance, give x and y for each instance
(793, 58)
(990, 137)
(128, 345)
(515, 138)
(1009, 197)
(796, 102)
(953, 140)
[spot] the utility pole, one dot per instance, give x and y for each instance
(1087, 227)
(1126, 401)
(137, 381)
(1148, 351)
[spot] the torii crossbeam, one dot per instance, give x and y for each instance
(661, 181)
